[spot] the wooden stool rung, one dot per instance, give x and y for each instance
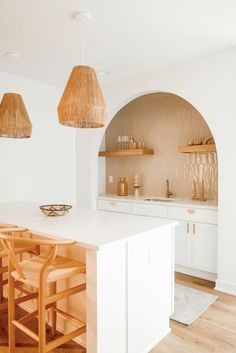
(69, 317)
(63, 339)
(20, 300)
(65, 293)
(32, 315)
(26, 330)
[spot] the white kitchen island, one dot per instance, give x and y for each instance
(130, 272)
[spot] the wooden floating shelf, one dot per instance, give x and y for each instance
(123, 153)
(197, 148)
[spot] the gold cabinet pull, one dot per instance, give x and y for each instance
(191, 210)
(194, 228)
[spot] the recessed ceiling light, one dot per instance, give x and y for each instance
(10, 54)
(81, 15)
(104, 73)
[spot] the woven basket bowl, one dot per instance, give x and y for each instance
(55, 210)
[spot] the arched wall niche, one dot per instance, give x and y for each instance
(170, 121)
(208, 84)
(117, 107)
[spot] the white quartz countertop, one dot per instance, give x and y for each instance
(174, 202)
(91, 229)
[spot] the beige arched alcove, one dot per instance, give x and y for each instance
(207, 84)
(163, 121)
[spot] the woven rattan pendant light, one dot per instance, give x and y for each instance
(14, 119)
(82, 104)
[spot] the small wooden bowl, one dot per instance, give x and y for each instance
(55, 210)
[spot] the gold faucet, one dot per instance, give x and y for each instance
(168, 192)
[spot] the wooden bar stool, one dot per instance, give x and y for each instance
(38, 272)
(20, 248)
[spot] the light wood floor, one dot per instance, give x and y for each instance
(213, 332)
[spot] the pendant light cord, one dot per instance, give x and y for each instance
(82, 43)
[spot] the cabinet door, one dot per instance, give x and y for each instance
(150, 283)
(183, 244)
(204, 247)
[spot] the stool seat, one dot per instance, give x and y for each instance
(60, 268)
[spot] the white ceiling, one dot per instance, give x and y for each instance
(125, 37)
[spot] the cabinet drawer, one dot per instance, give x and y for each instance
(115, 206)
(193, 214)
(150, 210)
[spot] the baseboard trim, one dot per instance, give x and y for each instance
(225, 287)
(196, 273)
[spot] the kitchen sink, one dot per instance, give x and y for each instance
(159, 199)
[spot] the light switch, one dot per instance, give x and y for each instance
(111, 179)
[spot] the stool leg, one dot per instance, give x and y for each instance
(1, 282)
(11, 308)
(53, 290)
(41, 316)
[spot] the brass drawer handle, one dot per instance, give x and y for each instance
(187, 228)
(194, 228)
(191, 210)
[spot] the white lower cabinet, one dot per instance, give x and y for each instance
(196, 246)
(204, 247)
(195, 235)
(182, 244)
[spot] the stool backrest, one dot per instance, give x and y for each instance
(7, 239)
(8, 245)
(5, 225)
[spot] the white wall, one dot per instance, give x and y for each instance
(42, 168)
(209, 84)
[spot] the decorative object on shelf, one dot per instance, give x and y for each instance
(209, 140)
(131, 143)
(55, 210)
(111, 182)
(82, 104)
(119, 141)
(136, 185)
(201, 197)
(195, 197)
(199, 145)
(126, 142)
(198, 141)
(122, 187)
(14, 119)
(123, 153)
